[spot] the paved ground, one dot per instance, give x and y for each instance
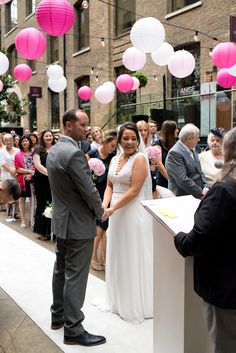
(18, 333)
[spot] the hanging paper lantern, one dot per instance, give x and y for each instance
(104, 94)
(224, 55)
(134, 59)
(85, 93)
(55, 17)
(136, 83)
(110, 84)
(181, 63)
(162, 54)
(147, 34)
(1, 86)
(57, 85)
(30, 43)
(22, 72)
(224, 79)
(4, 63)
(4, 2)
(232, 70)
(124, 83)
(55, 72)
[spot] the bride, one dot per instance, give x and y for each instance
(129, 267)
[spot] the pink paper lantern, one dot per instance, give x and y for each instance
(4, 2)
(85, 93)
(22, 72)
(133, 59)
(136, 83)
(1, 86)
(224, 55)
(124, 83)
(224, 79)
(30, 43)
(55, 17)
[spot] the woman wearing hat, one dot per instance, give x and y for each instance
(209, 158)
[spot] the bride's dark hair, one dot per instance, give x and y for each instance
(128, 126)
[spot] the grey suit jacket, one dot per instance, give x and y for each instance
(75, 199)
(184, 172)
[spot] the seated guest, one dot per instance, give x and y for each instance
(9, 191)
(214, 154)
(183, 165)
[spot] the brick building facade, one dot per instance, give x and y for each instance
(86, 60)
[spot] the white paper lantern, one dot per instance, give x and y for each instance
(104, 94)
(147, 34)
(57, 85)
(4, 63)
(136, 83)
(55, 72)
(181, 63)
(1, 86)
(162, 54)
(134, 59)
(110, 84)
(232, 70)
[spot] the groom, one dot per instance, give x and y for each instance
(76, 204)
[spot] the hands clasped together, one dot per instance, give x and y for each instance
(107, 213)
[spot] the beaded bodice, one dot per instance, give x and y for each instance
(121, 179)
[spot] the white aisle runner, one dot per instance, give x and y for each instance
(26, 274)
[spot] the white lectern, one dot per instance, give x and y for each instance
(179, 325)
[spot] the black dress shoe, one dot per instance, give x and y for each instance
(57, 325)
(85, 339)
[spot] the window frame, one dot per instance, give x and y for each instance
(79, 36)
(119, 13)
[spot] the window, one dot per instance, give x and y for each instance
(13, 58)
(125, 15)
(30, 6)
(32, 64)
(55, 110)
(84, 105)
(179, 4)
(81, 28)
(53, 50)
(11, 15)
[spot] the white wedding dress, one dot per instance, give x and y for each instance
(129, 267)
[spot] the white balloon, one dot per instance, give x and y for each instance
(55, 72)
(232, 70)
(104, 94)
(57, 85)
(147, 34)
(110, 84)
(162, 54)
(136, 83)
(181, 63)
(4, 63)
(134, 59)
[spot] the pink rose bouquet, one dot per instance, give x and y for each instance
(96, 166)
(153, 152)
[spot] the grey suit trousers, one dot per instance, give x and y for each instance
(69, 283)
(221, 324)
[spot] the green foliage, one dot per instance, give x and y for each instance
(142, 78)
(11, 107)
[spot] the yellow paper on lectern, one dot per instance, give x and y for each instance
(167, 213)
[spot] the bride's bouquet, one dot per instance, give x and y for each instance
(153, 153)
(48, 211)
(97, 167)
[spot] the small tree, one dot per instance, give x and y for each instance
(11, 107)
(142, 79)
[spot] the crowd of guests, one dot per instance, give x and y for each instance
(24, 158)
